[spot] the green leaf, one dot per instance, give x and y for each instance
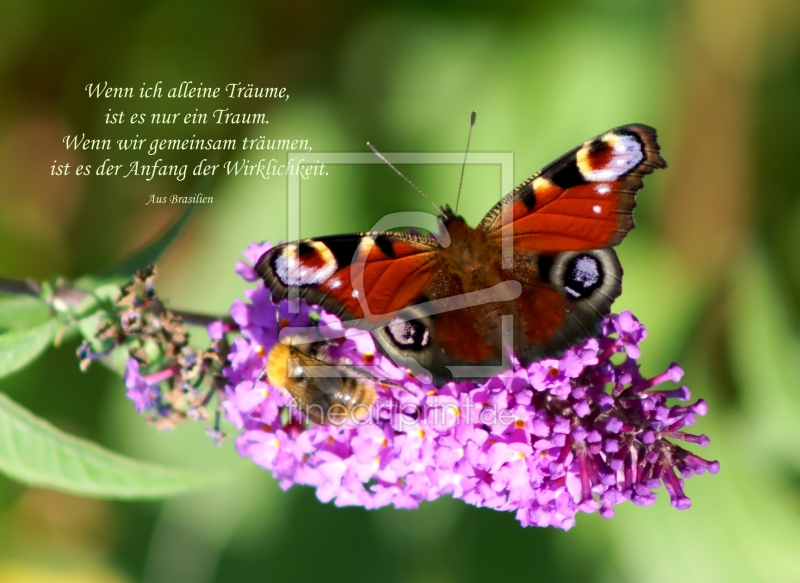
(19, 312)
(20, 347)
(35, 453)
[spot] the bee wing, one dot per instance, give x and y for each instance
(350, 370)
(370, 374)
(328, 380)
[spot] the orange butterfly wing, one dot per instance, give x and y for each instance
(362, 275)
(583, 200)
(561, 223)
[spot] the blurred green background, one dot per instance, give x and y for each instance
(711, 269)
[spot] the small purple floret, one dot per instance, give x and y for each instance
(143, 394)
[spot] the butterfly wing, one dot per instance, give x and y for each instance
(552, 305)
(564, 300)
(362, 276)
(563, 221)
(583, 200)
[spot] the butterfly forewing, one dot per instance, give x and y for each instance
(583, 200)
(362, 275)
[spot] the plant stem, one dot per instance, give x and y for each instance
(20, 287)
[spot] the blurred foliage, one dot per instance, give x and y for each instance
(35, 453)
(711, 268)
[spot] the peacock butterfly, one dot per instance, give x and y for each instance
(536, 276)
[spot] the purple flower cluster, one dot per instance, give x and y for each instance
(582, 432)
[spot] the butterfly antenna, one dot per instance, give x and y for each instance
(464, 165)
(425, 196)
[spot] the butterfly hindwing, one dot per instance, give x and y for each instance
(566, 302)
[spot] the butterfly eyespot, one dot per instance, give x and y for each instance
(609, 157)
(582, 276)
(587, 278)
(305, 263)
(408, 334)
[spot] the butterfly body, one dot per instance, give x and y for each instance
(535, 277)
